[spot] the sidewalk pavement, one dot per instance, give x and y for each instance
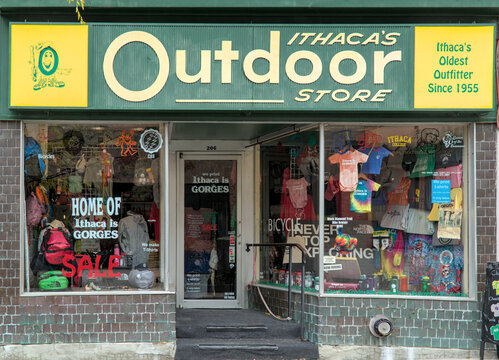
(166, 351)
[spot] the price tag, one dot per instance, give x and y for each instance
(329, 259)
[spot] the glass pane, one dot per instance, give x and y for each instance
(210, 220)
(290, 208)
(93, 206)
(395, 210)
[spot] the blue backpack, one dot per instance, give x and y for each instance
(34, 166)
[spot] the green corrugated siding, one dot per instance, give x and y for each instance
(255, 4)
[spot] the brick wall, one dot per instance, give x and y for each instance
(486, 147)
(344, 321)
(432, 323)
(51, 319)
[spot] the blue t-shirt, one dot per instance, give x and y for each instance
(376, 156)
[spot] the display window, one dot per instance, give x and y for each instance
(93, 207)
(290, 209)
(394, 205)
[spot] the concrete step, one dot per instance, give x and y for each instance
(227, 324)
(218, 349)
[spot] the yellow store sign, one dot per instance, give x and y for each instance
(453, 67)
(49, 65)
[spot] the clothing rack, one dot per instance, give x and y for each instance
(89, 152)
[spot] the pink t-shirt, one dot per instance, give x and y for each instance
(297, 189)
(348, 168)
(287, 209)
(454, 173)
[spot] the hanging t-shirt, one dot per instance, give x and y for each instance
(376, 156)
(449, 222)
(360, 199)
(392, 257)
(409, 160)
(456, 195)
(494, 331)
(400, 196)
(288, 211)
(348, 168)
(446, 269)
(425, 163)
(419, 251)
(297, 189)
(417, 222)
(445, 157)
(452, 173)
(395, 217)
(395, 159)
(332, 189)
(420, 194)
(378, 197)
(343, 207)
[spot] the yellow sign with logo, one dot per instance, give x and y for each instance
(49, 65)
(453, 67)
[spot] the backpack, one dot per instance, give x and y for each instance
(52, 280)
(34, 210)
(56, 244)
(34, 166)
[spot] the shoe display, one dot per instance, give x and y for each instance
(91, 286)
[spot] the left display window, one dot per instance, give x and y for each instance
(93, 207)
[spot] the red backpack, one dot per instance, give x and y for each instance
(56, 244)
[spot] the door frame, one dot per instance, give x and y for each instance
(207, 303)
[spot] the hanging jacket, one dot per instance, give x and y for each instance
(133, 237)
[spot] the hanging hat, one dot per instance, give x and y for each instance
(73, 141)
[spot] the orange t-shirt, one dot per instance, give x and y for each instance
(400, 196)
(349, 175)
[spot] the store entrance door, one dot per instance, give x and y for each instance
(209, 231)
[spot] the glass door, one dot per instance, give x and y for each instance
(209, 214)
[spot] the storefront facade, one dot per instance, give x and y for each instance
(139, 158)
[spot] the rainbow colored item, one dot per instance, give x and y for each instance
(360, 199)
(345, 243)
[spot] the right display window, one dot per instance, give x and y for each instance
(395, 204)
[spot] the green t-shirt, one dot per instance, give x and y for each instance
(494, 331)
(425, 163)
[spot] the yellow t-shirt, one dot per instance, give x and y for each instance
(456, 196)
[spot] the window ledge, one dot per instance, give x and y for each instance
(98, 293)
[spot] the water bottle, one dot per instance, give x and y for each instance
(117, 253)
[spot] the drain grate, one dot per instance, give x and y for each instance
(257, 347)
(219, 328)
